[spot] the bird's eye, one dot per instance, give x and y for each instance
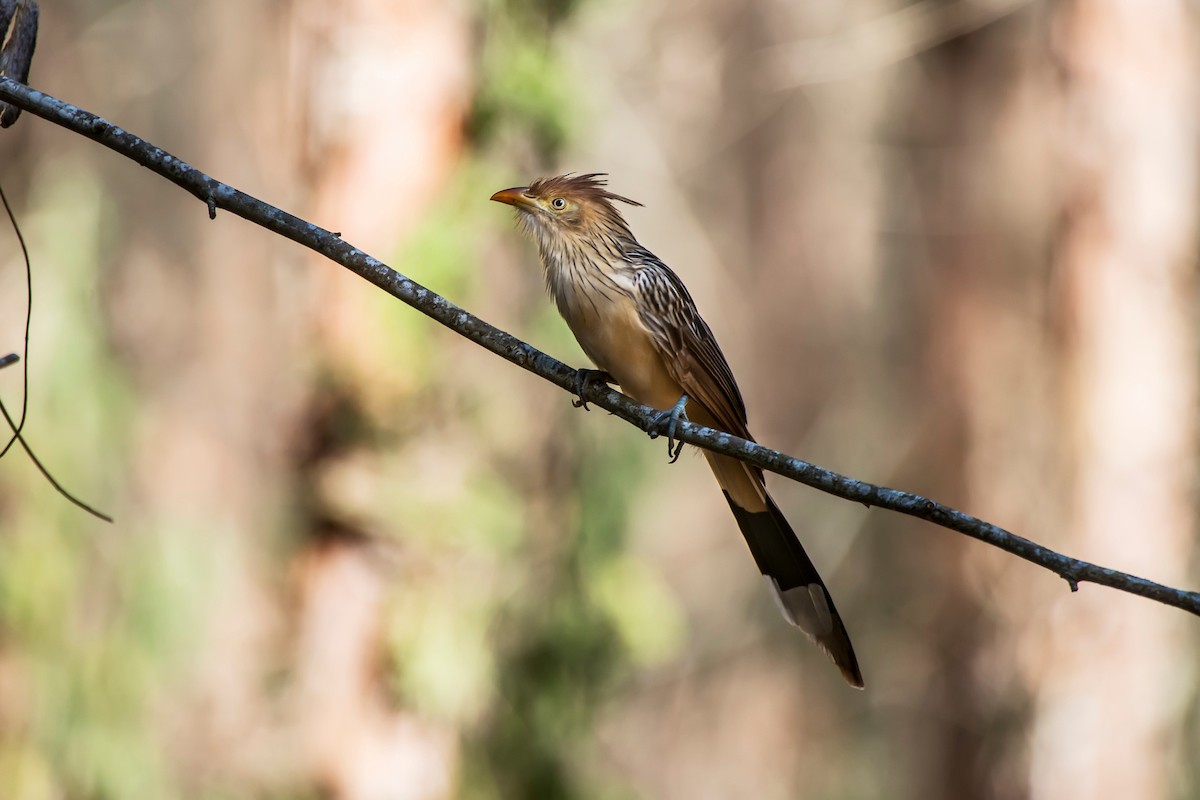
(558, 204)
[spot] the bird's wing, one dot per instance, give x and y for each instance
(687, 345)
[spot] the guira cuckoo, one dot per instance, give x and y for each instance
(635, 319)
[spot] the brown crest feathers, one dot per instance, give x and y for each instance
(583, 187)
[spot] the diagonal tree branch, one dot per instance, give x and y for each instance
(219, 195)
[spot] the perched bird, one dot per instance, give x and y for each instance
(635, 319)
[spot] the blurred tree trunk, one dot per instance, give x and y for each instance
(371, 169)
(1126, 254)
(965, 276)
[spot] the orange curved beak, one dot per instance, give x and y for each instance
(515, 197)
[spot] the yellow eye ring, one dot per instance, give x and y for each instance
(558, 204)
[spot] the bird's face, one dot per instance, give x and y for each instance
(566, 207)
(545, 208)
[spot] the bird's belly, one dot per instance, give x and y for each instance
(614, 338)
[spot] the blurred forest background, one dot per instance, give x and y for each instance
(947, 245)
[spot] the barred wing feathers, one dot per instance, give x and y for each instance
(687, 345)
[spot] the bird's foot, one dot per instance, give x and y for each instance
(583, 379)
(670, 420)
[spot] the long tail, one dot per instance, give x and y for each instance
(793, 580)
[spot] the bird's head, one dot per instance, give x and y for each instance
(567, 207)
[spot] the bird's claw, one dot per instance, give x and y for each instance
(583, 379)
(670, 419)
